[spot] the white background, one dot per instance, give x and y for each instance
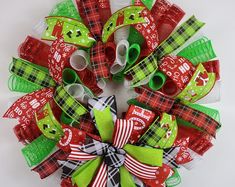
(17, 17)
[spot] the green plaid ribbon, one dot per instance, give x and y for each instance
(153, 135)
(148, 66)
(142, 70)
(28, 71)
(178, 37)
(199, 51)
(69, 104)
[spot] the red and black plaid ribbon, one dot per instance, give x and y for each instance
(162, 103)
(89, 12)
(98, 61)
(50, 165)
(86, 124)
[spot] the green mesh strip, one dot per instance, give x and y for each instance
(38, 150)
(199, 51)
(135, 37)
(66, 9)
(17, 84)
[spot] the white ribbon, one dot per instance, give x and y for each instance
(121, 60)
(79, 60)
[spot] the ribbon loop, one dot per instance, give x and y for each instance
(123, 130)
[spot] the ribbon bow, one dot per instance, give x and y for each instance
(119, 158)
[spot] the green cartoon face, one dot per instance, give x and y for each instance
(48, 125)
(126, 16)
(200, 85)
(73, 31)
(169, 124)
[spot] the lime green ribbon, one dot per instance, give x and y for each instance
(48, 124)
(73, 31)
(121, 18)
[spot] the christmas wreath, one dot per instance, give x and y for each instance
(64, 120)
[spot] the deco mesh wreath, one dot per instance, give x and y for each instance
(63, 121)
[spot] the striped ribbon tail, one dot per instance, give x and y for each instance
(140, 170)
(101, 176)
(68, 104)
(30, 72)
(77, 154)
(122, 133)
(179, 37)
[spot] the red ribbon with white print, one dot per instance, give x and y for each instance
(25, 107)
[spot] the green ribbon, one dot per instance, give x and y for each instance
(156, 135)
(148, 3)
(198, 51)
(194, 92)
(28, 71)
(84, 174)
(126, 179)
(130, 16)
(137, 103)
(68, 104)
(38, 150)
(142, 70)
(69, 76)
(157, 81)
(104, 122)
(18, 84)
(146, 155)
(48, 124)
(132, 55)
(73, 31)
(66, 8)
(64, 118)
(179, 37)
(135, 37)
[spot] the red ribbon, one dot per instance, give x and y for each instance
(25, 107)
(34, 51)
(162, 103)
(58, 57)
